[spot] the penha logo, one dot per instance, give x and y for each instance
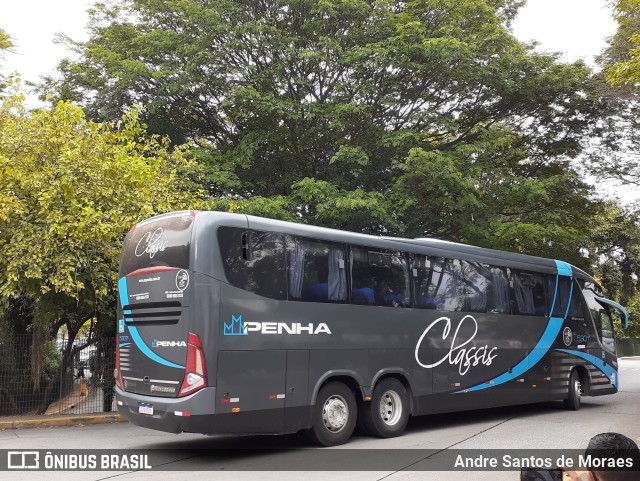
(156, 343)
(458, 355)
(238, 327)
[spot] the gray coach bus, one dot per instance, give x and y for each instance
(229, 323)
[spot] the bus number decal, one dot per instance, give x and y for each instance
(459, 355)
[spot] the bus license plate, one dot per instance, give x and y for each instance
(145, 409)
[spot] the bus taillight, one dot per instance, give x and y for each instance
(195, 376)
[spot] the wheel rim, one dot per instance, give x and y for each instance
(390, 408)
(335, 413)
(577, 387)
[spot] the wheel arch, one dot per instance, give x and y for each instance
(350, 378)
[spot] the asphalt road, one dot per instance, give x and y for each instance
(217, 457)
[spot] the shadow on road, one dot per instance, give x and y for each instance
(416, 425)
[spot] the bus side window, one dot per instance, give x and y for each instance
(577, 307)
(428, 276)
(454, 285)
(498, 291)
(379, 278)
(316, 271)
(528, 293)
(605, 328)
(476, 280)
(260, 268)
(562, 296)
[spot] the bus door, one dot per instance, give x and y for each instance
(605, 330)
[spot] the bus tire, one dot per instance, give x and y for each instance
(387, 414)
(334, 415)
(572, 402)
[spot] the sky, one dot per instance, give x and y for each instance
(578, 28)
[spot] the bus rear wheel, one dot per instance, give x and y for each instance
(334, 415)
(387, 414)
(572, 402)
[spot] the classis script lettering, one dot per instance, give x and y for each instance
(460, 354)
(151, 243)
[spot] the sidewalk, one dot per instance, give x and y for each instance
(26, 422)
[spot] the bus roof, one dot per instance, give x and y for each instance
(427, 246)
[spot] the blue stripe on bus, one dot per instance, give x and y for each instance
(135, 335)
(125, 344)
(606, 369)
(544, 344)
(564, 269)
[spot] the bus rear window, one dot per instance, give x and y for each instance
(254, 261)
(164, 242)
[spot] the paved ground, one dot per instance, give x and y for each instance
(536, 426)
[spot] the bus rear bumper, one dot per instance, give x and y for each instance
(194, 414)
(172, 415)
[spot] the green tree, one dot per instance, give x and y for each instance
(69, 191)
(615, 245)
(359, 114)
(623, 66)
(5, 44)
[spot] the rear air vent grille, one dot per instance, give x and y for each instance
(153, 313)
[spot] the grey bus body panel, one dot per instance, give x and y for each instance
(269, 358)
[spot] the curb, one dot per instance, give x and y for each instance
(58, 421)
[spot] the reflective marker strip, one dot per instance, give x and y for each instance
(184, 414)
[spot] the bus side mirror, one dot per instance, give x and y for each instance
(623, 312)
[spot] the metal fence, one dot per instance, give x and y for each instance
(66, 379)
(628, 347)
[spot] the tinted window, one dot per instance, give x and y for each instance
(498, 291)
(576, 308)
(476, 282)
(452, 287)
(428, 281)
(161, 243)
(438, 283)
(316, 271)
(528, 293)
(379, 278)
(606, 331)
(562, 296)
(254, 261)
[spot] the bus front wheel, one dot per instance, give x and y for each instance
(387, 414)
(334, 415)
(572, 402)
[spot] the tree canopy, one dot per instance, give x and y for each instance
(69, 190)
(411, 118)
(624, 50)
